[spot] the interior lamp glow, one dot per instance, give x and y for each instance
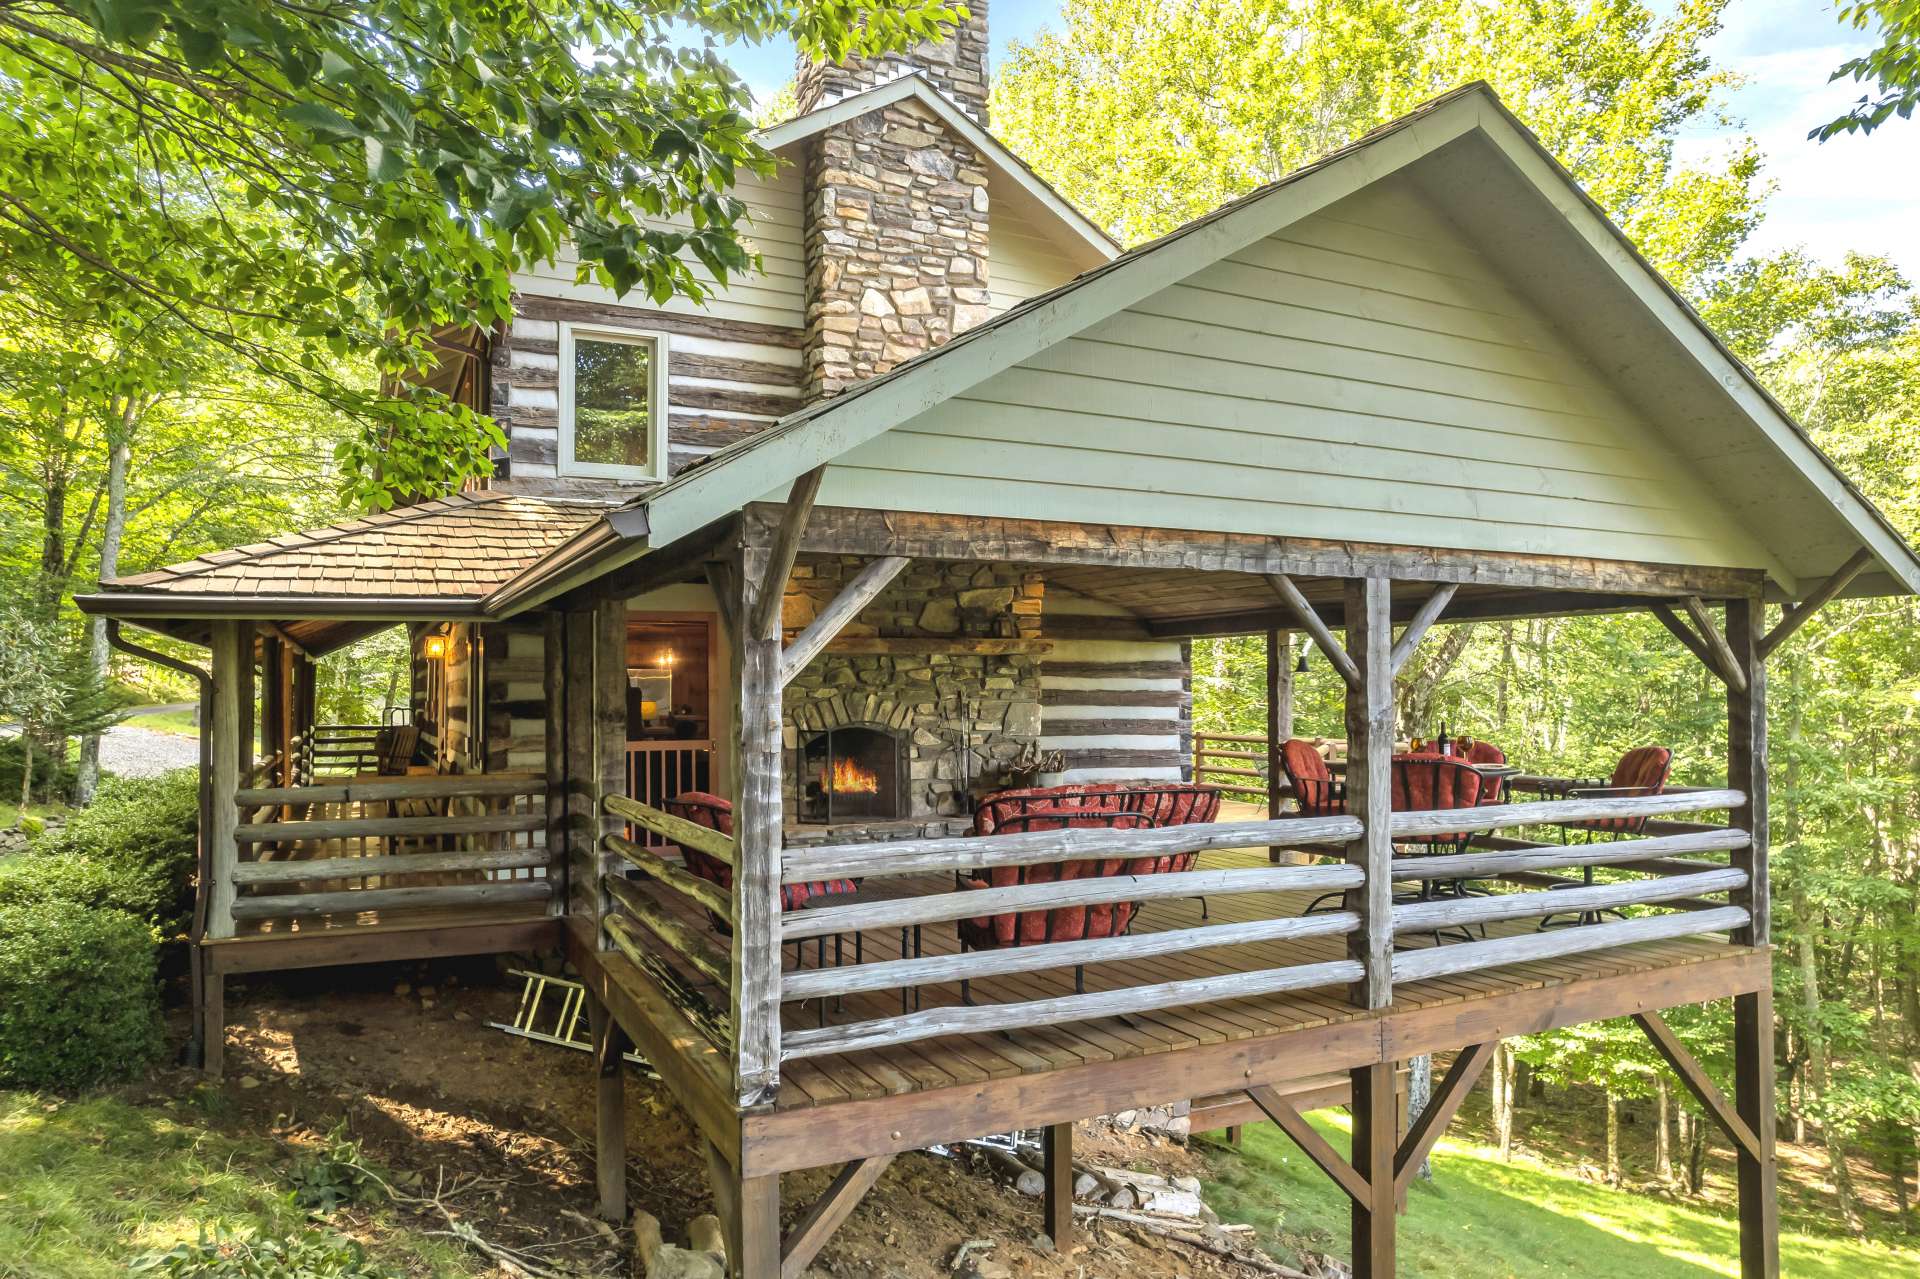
(436, 647)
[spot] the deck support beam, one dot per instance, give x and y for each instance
(1753, 1064)
(1694, 1076)
(1467, 1067)
(753, 1239)
(610, 1110)
(835, 1204)
(1313, 624)
(1423, 619)
(1056, 1149)
(1375, 1129)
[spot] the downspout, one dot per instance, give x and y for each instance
(196, 1045)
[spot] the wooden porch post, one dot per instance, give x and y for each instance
(1279, 718)
(1370, 798)
(757, 819)
(229, 722)
(1753, 1065)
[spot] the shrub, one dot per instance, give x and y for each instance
(132, 849)
(50, 776)
(79, 1002)
(334, 1175)
(312, 1254)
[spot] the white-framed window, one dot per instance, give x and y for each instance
(613, 402)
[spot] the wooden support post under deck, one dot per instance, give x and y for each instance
(610, 1110)
(754, 1245)
(1753, 1065)
(1375, 1138)
(1369, 785)
(1056, 1147)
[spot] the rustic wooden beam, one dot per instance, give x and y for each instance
(1369, 788)
(1428, 613)
(1753, 1066)
(865, 587)
(301, 870)
(354, 900)
(833, 1207)
(679, 830)
(763, 618)
(1795, 615)
(726, 598)
(757, 823)
(1279, 689)
(358, 827)
(934, 908)
(968, 1019)
(1313, 624)
(921, 646)
(1498, 861)
(929, 970)
(725, 1183)
(1315, 1147)
(1375, 1125)
(223, 777)
(1459, 912)
(982, 852)
(1441, 1108)
(683, 939)
(1723, 659)
(755, 1251)
(1685, 634)
(1056, 1153)
(1691, 1073)
(610, 1110)
(653, 866)
(1466, 957)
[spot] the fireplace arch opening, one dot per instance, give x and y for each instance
(854, 772)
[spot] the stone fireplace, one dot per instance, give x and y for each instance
(938, 679)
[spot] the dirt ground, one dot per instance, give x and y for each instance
(405, 1054)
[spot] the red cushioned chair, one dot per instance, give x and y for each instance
(1644, 770)
(1424, 783)
(1476, 752)
(1314, 789)
(716, 813)
(1163, 803)
(1064, 923)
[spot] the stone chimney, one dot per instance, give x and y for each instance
(896, 215)
(957, 66)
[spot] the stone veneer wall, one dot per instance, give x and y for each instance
(957, 66)
(896, 244)
(968, 716)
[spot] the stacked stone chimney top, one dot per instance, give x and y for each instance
(956, 65)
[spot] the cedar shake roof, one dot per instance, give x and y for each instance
(456, 549)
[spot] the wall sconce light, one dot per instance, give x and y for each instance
(666, 658)
(435, 648)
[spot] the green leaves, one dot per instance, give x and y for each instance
(363, 176)
(1894, 66)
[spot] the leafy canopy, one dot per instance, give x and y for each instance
(298, 182)
(1893, 66)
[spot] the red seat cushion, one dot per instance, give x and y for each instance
(1475, 752)
(1422, 783)
(1641, 771)
(716, 813)
(1313, 786)
(1065, 923)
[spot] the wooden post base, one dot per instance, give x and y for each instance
(213, 1023)
(610, 1111)
(1375, 1135)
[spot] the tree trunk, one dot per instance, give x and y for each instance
(1613, 1138)
(1662, 1145)
(1525, 1084)
(1419, 1096)
(1696, 1153)
(112, 532)
(26, 771)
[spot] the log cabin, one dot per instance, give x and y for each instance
(941, 494)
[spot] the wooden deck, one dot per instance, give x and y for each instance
(854, 1104)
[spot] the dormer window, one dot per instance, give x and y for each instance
(613, 402)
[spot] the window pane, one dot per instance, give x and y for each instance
(612, 382)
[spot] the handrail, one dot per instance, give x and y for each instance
(706, 892)
(974, 852)
(1442, 821)
(687, 834)
(435, 786)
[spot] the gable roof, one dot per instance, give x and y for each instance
(1566, 251)
(914, 85)
(436, 559)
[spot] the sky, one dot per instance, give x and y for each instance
(1859, 193)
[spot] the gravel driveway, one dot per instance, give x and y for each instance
(140, 752)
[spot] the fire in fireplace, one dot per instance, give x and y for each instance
(853, 773)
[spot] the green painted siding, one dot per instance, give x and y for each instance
(1364, 374)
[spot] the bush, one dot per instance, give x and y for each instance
(312, 1254)
(79, 1002)
(51, 777)
(133, 849)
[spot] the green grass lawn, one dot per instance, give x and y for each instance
(179, 723)
(1518, 1220)
(87, 1185)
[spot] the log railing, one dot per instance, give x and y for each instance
(1659, 886)
(1235, 762)
(663, 914)
(443, 842)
